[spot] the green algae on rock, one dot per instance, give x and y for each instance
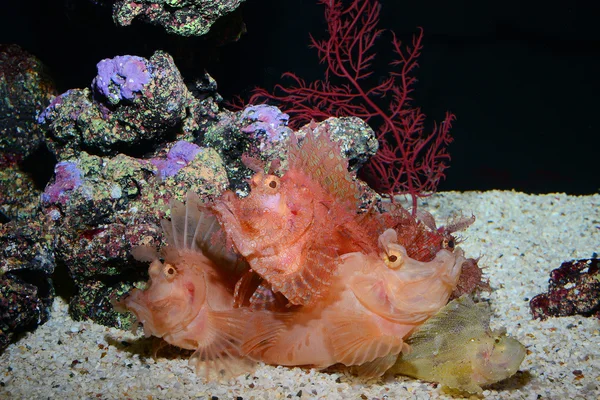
(180, 17)
(25, 90)
(102, 206)
(86, 119)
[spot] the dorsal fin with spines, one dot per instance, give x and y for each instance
(193, 227)
(321, 158)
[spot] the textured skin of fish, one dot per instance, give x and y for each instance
(375, 301)
(292, 275)
(189, 299)
(457, 348)
(292, 229)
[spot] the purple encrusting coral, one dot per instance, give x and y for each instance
(101, 119)
(121, 77)
(68, 177)
(266, 120)
(56, 101)
(180, 155)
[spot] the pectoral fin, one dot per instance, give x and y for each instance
(244, 288)
(357, 341)
(253, 292)
(312, 280)
(218, 355)
(377, 367)
(374, 293)
(263, 330)
(264, 299)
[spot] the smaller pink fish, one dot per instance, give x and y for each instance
(189, 298)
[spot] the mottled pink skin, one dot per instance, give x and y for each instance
(189, 298)
(181, 293)
(290, 230)
(373, 304)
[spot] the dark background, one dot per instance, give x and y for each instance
(521, 76)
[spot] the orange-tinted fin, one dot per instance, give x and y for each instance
(221, 368)
(312, 280)
(264, 328)
(175, 227)
(219, 355)
(244, 288)
(264, 298)
(194, 227)
(322, 159)
(253, 292)
(356, 340)
(373, 293)
(377, 367)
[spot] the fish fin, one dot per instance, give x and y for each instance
(194, 227)
(244, 288)
(458, 316)
(356, 340)
(253, 292)
(377, 367)
(456, 375)
(321, 158)
(220, 368)
(191, 224)
(312, 280)
(218, 356)
(373, 293)
(264, 298)
(265, 328)
(175, 227)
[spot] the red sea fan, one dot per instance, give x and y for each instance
(410, 160)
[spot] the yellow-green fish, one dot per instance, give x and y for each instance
(457, 348)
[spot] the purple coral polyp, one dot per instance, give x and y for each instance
(266, 120)
(121, 77)
(56, 101)
(67, 178)
(180, 155)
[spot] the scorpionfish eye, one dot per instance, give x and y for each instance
(170, 272)
(271, 184)
(448, 244)
(393, 258)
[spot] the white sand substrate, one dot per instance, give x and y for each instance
(520, 239)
